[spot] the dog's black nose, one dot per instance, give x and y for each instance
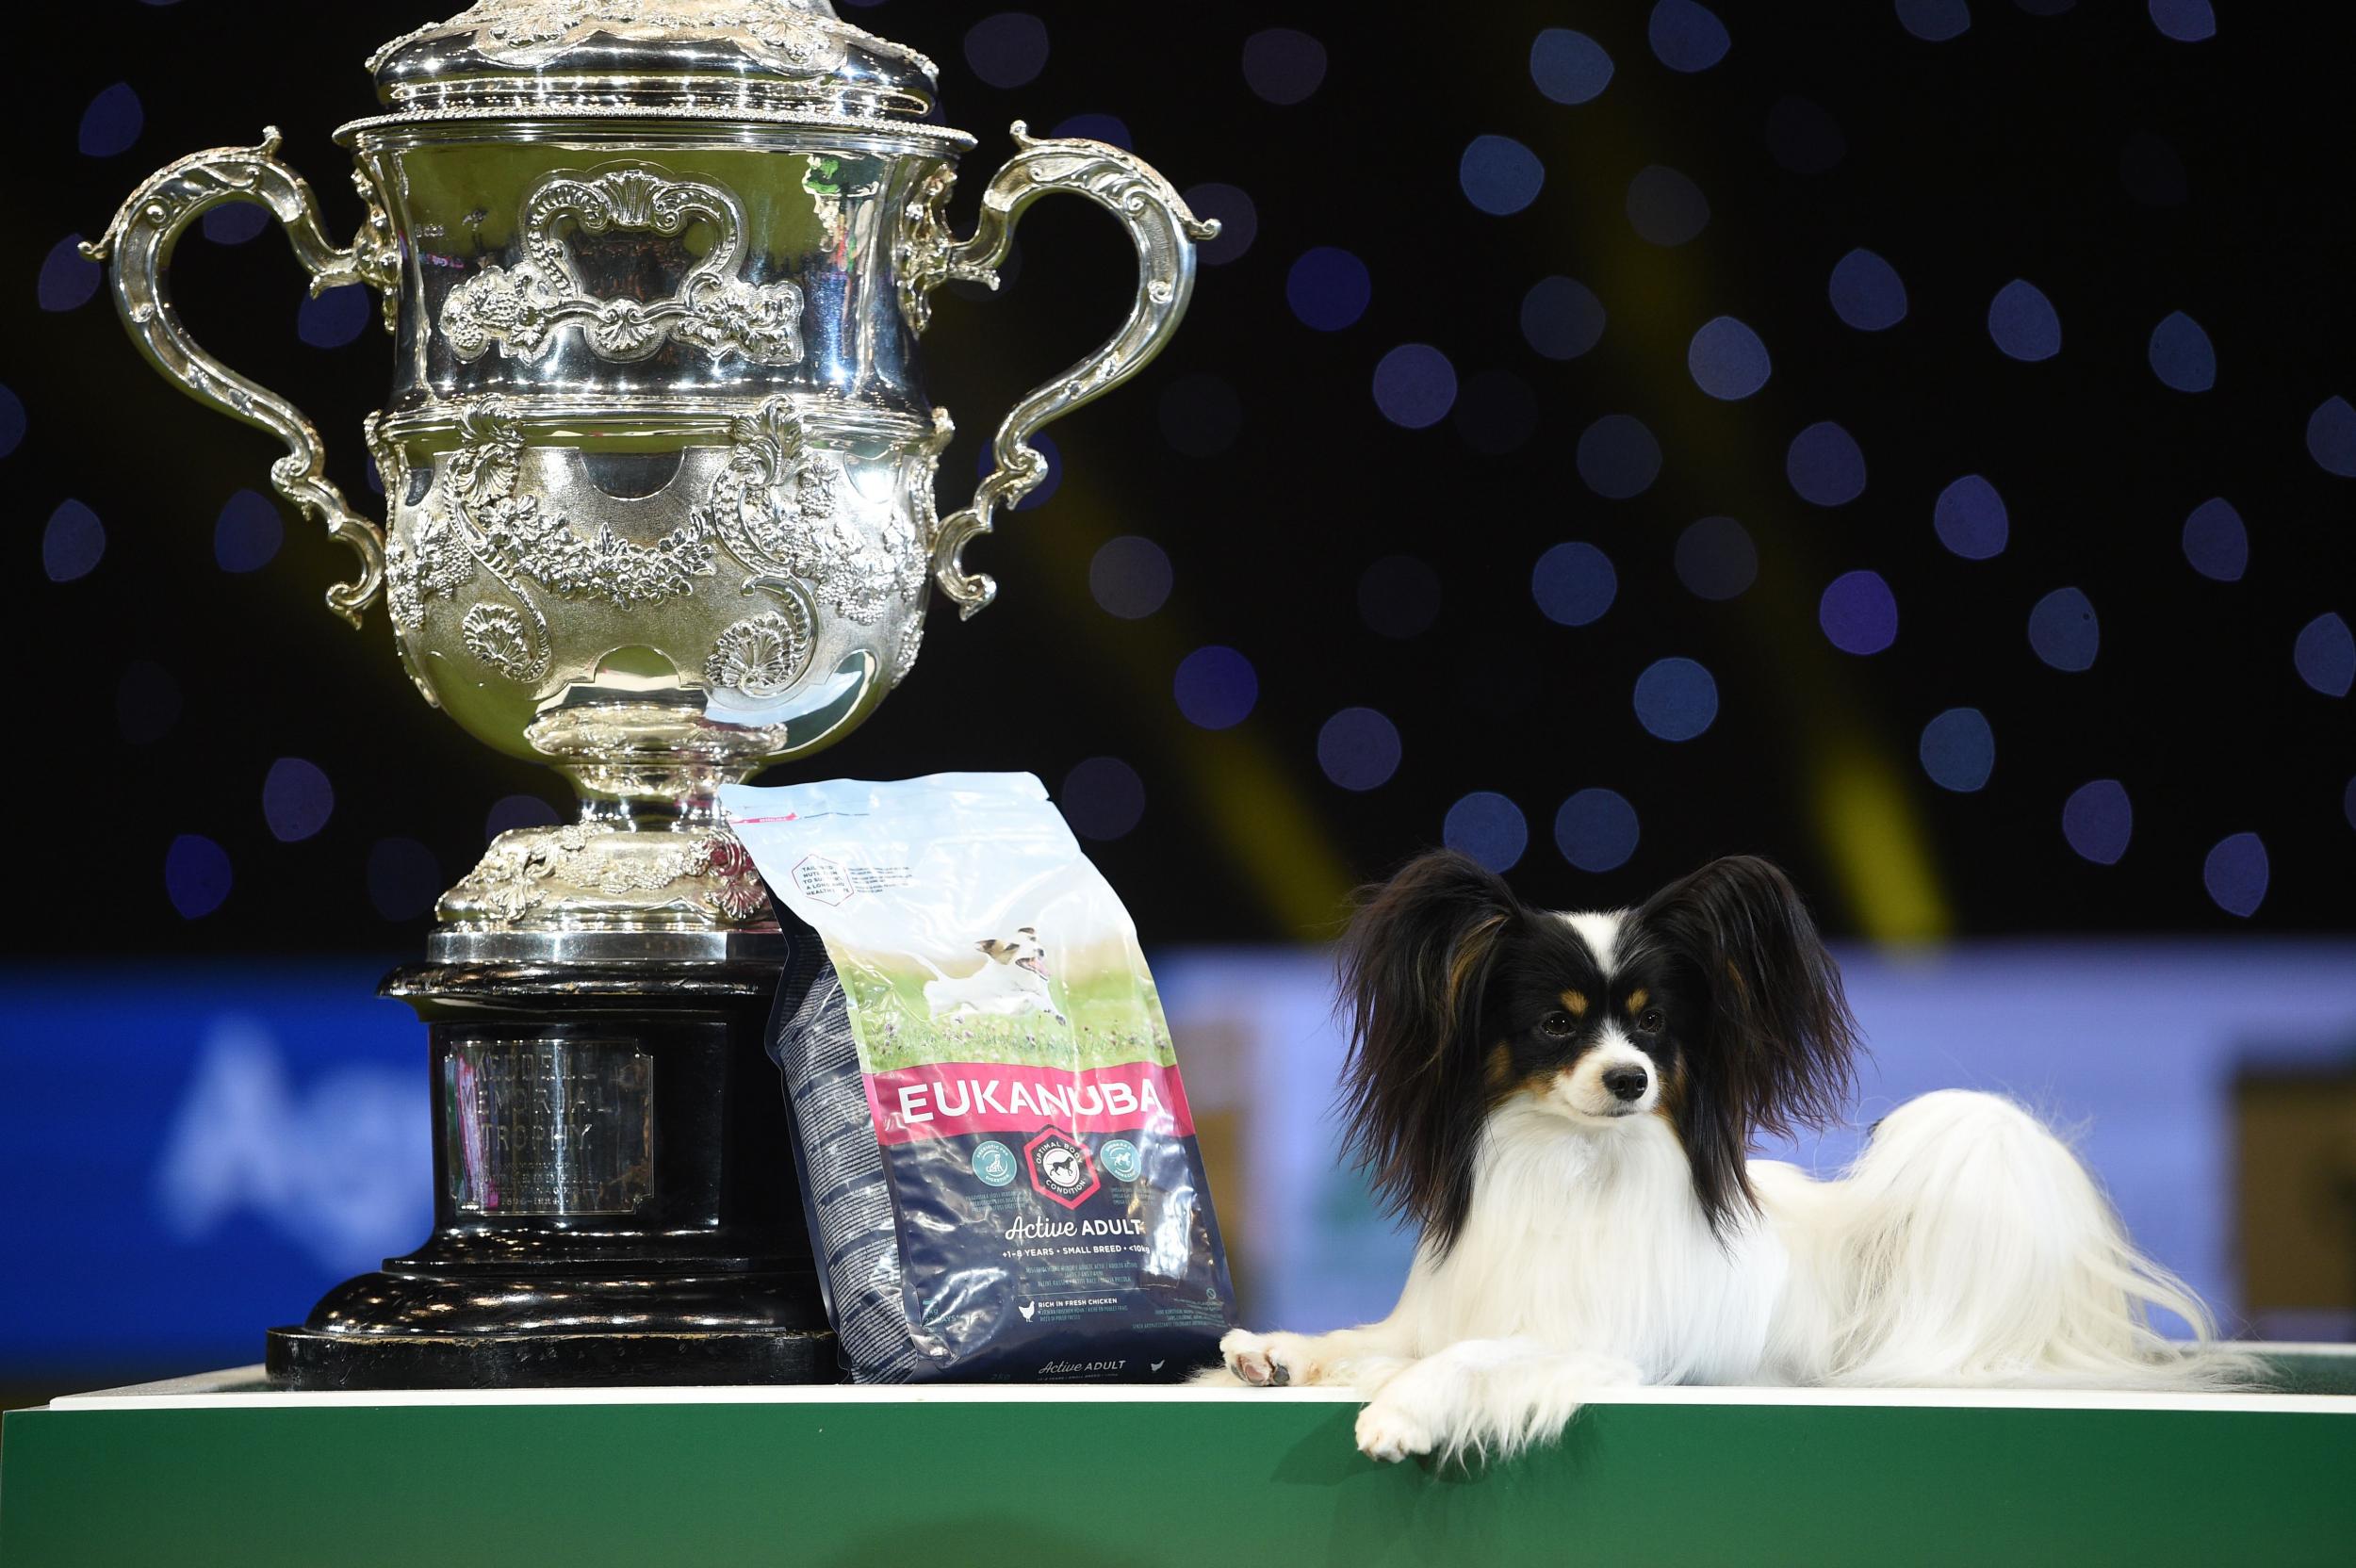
(1627, 1083)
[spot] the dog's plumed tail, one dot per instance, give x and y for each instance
(1969, 1246)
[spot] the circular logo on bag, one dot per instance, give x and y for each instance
(1121, 1160)
(1061, 1170)
(993, 1163)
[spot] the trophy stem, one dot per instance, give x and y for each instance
(615, 1196)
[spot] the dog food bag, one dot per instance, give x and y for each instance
(994, 1144)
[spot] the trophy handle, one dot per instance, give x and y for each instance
(140, 242)
(1164, 232)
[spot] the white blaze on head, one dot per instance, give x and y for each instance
(1601, 932)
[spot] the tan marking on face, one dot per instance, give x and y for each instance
(1575, 1004)
(1636, 1000)
(1501, 1065)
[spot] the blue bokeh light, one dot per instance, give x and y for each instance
(2181, 355)
(1239, 220)
(1867, 292)
(1686, 37)
(2236, 874)
(1675, 699)
(404, 878)
(1108, 128)
(297, 799)
(2185, 21)
(1328, 288)
(1959, 750)
(1008, 49)
(1858, 613)
(1562, 318)
(510, 812)
(339, 316)
(1129, 577)
(247, 534)
(2331, 437)
(1102, 799)
(1359, 749)
(1499, 175)
(1489, 828)
(1665, 208)
(2098, 820)
(1283, 65)
(1715, 559)
(1596, 830)
(1727, 360)
(1970, 519)
(1618, 457)
(72, 544)
(1414, 385)
(1574, 584)
(2326, 655)
(1935, 21)
(1824, 465)
(112, 122)
(68, 278)
(1215, 688)
(2064, 631)
(197, 875)
(2022, 322)
(1569, 67)
(2216, 541)
(235, 223)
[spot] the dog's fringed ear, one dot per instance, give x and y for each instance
(1781, 1038)
(1413, 969)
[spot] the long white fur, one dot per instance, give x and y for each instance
(1964, 1246)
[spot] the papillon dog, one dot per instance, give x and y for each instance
(1563, 1104)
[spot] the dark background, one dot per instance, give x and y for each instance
(2127, 174)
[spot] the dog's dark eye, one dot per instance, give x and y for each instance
(1557, 1024)
(1651, 1022)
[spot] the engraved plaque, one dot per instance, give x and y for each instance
(548, 1127)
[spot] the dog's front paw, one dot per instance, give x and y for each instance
(1391, 1431)
(1259, 1360)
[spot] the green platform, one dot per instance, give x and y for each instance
(216, 1471)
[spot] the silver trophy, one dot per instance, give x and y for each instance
(659, 470)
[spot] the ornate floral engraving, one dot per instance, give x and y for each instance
(787, 508)
(794, 38)
(762, 655)
(926, 255)
(496, 633)
(532, 867)
(520, 309)
(911, 643)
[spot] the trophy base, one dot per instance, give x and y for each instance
(301, 1358)
(615, 1191)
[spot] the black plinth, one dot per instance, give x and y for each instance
(615, 1198)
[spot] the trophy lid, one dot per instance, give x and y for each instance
(779, 61)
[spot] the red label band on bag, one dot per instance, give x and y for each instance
(953, 1098)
